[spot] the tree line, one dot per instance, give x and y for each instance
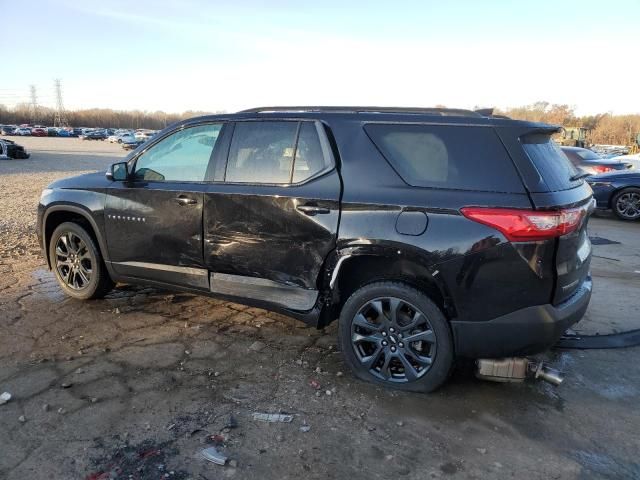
(95, 117)
(603, 128)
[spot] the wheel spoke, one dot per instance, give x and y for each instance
(426, 336)
(409, 372)
(417, 319)
(361, 321)
(73, 243)
(61, 253)
(371, 360)
(420, 360)
(384, 369)
(357, 338)
(394, 305)
(82, 276)
(65, 241)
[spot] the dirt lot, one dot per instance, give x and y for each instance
(134, 386)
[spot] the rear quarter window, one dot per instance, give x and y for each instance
(447, 156)
(552, 164)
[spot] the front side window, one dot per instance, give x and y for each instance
(183, 156)
(275, 152)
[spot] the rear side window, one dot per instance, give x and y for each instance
(553, 165)
(275, 152)
(446, 156)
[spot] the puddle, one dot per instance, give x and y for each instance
(603, 241)
(606, 466)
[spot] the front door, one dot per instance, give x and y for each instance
(153, 221)
(271, 218)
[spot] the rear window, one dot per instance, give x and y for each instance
(447, 156)
(588, 155)
(552, 165)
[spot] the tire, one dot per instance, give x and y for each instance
(430, 325)
(90, 278)
(626, 204)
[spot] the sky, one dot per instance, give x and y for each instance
(212, 55)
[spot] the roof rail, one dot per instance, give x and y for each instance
(455, 112)
(488, 112)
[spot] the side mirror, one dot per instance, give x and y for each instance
(118, 172)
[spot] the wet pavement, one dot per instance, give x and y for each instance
(137, 384)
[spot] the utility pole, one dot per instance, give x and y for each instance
(34, 105)
(60, 119)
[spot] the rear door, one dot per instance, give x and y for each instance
(560, 188)
(271, 217)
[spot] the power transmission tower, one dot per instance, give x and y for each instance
(34, 105)
(60, 119)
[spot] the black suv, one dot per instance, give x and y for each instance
(430, 233)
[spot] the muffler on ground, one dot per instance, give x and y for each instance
(516, 369)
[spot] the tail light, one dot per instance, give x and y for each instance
(527, 225)
(602, 169)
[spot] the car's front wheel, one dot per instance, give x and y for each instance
(77, 263)
(626, 204)
(394, 335)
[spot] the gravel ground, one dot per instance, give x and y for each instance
(135, 385)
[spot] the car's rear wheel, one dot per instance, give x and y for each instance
(394, 335)
(626, 204)
(77, 263)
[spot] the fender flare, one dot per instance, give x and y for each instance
(339, 257)
(84, 213)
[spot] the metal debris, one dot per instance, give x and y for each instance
(4, 398)
(212, 455)
(273, 417)
(257, 346)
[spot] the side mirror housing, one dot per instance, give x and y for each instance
(118, 172)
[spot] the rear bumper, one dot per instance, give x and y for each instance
(523, 332)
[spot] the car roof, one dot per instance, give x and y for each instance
(375, 114)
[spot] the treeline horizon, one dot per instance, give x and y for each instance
(96, 117)
(603, 128)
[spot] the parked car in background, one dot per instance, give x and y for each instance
(618, 191)
(430, 233)
(39, 132)
(64, 132)
(591, 162)
(11, 150)
(95, 135)
(52, 132)
(131, 143)
(632, 159)
(145, 134)
(23, 131)
(8, 130)
(118, 136)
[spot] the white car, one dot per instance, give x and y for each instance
(23, 132)
(632, 159)
(145, 134)
(119, 136)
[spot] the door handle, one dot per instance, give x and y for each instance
(184, 200)
(312, 210)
